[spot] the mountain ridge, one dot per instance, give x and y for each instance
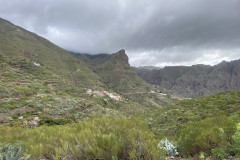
(195, 80)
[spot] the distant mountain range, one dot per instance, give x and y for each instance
(196, 80)
(183, 81)
(148, 67)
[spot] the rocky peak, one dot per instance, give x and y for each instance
(222, 63)
(121, 56)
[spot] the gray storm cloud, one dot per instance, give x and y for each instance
(154, 32)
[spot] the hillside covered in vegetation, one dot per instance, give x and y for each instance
(40, 78)
(204, 125)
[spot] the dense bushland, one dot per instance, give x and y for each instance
(102, 137)
(211, 136)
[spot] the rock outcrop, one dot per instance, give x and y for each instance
(121, 56)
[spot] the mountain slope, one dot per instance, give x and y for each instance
(197, 80)
(40, 78)
(170, 119)
(116, 73)
(20, 47)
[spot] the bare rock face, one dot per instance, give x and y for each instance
(196, 80)
(121, 56)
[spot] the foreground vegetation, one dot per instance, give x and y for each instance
(204, 126)
(102, 137)
(215, 136)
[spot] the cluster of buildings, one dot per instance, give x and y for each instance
(113, 96)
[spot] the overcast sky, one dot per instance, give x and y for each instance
(153, 32)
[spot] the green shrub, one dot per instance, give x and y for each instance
(100, 137)
(205, 135)
(236, 138)
(50, 121)
(25, 115)
(219, 153)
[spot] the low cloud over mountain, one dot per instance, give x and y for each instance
(154, 32)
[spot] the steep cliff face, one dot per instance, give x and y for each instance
(121, 56)
(197, 80)
(226, 75)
